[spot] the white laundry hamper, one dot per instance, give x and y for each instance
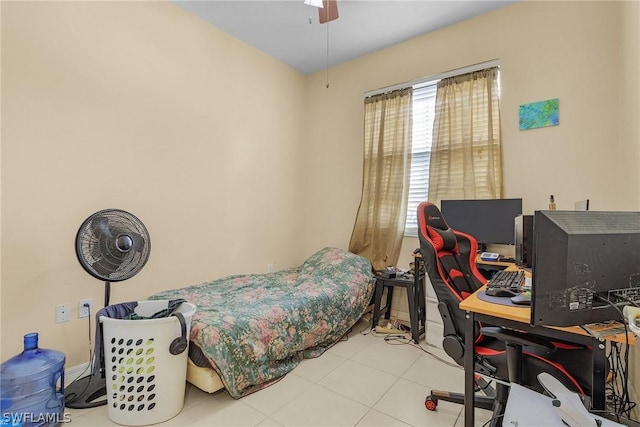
(145, 381)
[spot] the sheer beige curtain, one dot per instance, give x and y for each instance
(466, 159)
(379, 227)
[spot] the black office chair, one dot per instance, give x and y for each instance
(505, 355)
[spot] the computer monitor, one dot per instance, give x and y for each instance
(523, 231)
(490, 221)
(582, 259)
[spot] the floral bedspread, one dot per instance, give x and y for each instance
(256, 328)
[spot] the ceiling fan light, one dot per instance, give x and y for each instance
(315, 3)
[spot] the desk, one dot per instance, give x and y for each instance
(518, 318)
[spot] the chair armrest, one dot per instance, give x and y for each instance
(510, 336)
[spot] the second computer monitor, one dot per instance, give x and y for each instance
(490, 221)
(586, 267)
(524, 240)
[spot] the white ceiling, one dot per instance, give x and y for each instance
(282, 29)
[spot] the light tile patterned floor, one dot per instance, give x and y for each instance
(362, 381)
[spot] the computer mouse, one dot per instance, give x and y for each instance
(522, 299)
(500, 292)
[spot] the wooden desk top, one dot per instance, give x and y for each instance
(473, 303)
(522, 314)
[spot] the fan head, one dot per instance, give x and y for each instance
(113, 245)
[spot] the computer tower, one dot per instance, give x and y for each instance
(524, 240)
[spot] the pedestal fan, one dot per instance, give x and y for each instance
(112, 245)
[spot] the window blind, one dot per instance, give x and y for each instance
(424, 102)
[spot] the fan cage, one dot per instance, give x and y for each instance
(98, 252)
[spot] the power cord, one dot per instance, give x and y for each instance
(492, 420)
(629, 300)
(345, 337)
(405, 339)
(619, 399)
(91, 363)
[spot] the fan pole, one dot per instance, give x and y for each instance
(107, 293)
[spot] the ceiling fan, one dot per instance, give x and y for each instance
(327, 9)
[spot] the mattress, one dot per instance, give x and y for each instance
(253, 329)
(206, 379)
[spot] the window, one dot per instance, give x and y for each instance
(455, 165)
(453, 175)
(424, 104)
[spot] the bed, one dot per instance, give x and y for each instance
(251, 330)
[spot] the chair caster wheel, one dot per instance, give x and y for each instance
(430, 403)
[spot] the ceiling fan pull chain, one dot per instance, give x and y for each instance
(327, 69)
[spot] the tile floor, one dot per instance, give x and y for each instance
(361, 381)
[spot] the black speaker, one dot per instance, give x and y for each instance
(524, 240)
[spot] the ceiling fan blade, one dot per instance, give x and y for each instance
(329, 11)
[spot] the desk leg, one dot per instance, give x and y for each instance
(420, 301)
(422, 304)
(413, 312)
(389, 301)
(599, 379)
(376, 305)
(469, 377)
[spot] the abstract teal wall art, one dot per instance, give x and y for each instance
(540, 114)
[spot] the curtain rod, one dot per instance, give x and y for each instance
(424, 80)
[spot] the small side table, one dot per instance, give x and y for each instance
(414, 284)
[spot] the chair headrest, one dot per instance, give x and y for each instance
(433, 225)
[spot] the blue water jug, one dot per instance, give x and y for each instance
(32, 387)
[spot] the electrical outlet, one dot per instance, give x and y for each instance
(85, 311)
(271, 268)
(62, 313)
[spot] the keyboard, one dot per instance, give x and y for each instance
(506, 284)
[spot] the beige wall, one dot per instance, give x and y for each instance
(544, 52)
(629, 54)
(234, 160)
(138, 106)
(584, 53)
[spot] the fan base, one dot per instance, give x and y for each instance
(83, 392)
